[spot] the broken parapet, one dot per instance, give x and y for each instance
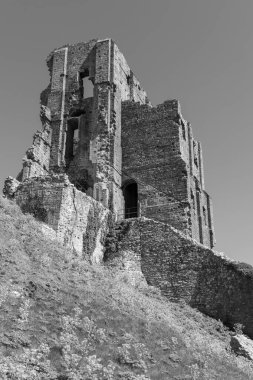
(80, 222)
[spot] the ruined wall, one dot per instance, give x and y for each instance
(125, 79)
(151, 155)
(159, 152)
(150, 147)
(80, 167)
(64, 92)
(186, 270)
(80, 222)
(127, 260)
(113, 135)
(36, 160)
(96, 165)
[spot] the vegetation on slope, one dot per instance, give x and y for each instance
(62, 318)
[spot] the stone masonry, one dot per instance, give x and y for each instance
(159, 152)
(186, 270)
(135, 159)
(79, 221)
(111, 176)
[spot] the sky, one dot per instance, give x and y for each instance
(197, 51)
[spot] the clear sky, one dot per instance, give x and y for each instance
(199, 51)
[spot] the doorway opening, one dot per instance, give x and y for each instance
(130, 192)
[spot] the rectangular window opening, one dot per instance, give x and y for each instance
(87, 85)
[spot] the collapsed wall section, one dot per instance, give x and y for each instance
(186, 270)
(79, 221)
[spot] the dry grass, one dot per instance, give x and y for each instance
(144, 335)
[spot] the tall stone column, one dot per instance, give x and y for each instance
(107, 129)
(56, 103)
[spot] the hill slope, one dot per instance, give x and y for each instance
(62, 318)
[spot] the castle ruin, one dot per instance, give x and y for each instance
(109, 175)
(100, 130)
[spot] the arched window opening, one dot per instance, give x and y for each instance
(72, 139)
(87, 86)
(130, 192)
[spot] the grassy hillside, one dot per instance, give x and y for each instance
(61, 318)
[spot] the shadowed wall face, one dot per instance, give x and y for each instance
(130, 192)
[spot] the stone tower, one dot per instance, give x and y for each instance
(100, 130)
(86, 131)
(110, 175)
